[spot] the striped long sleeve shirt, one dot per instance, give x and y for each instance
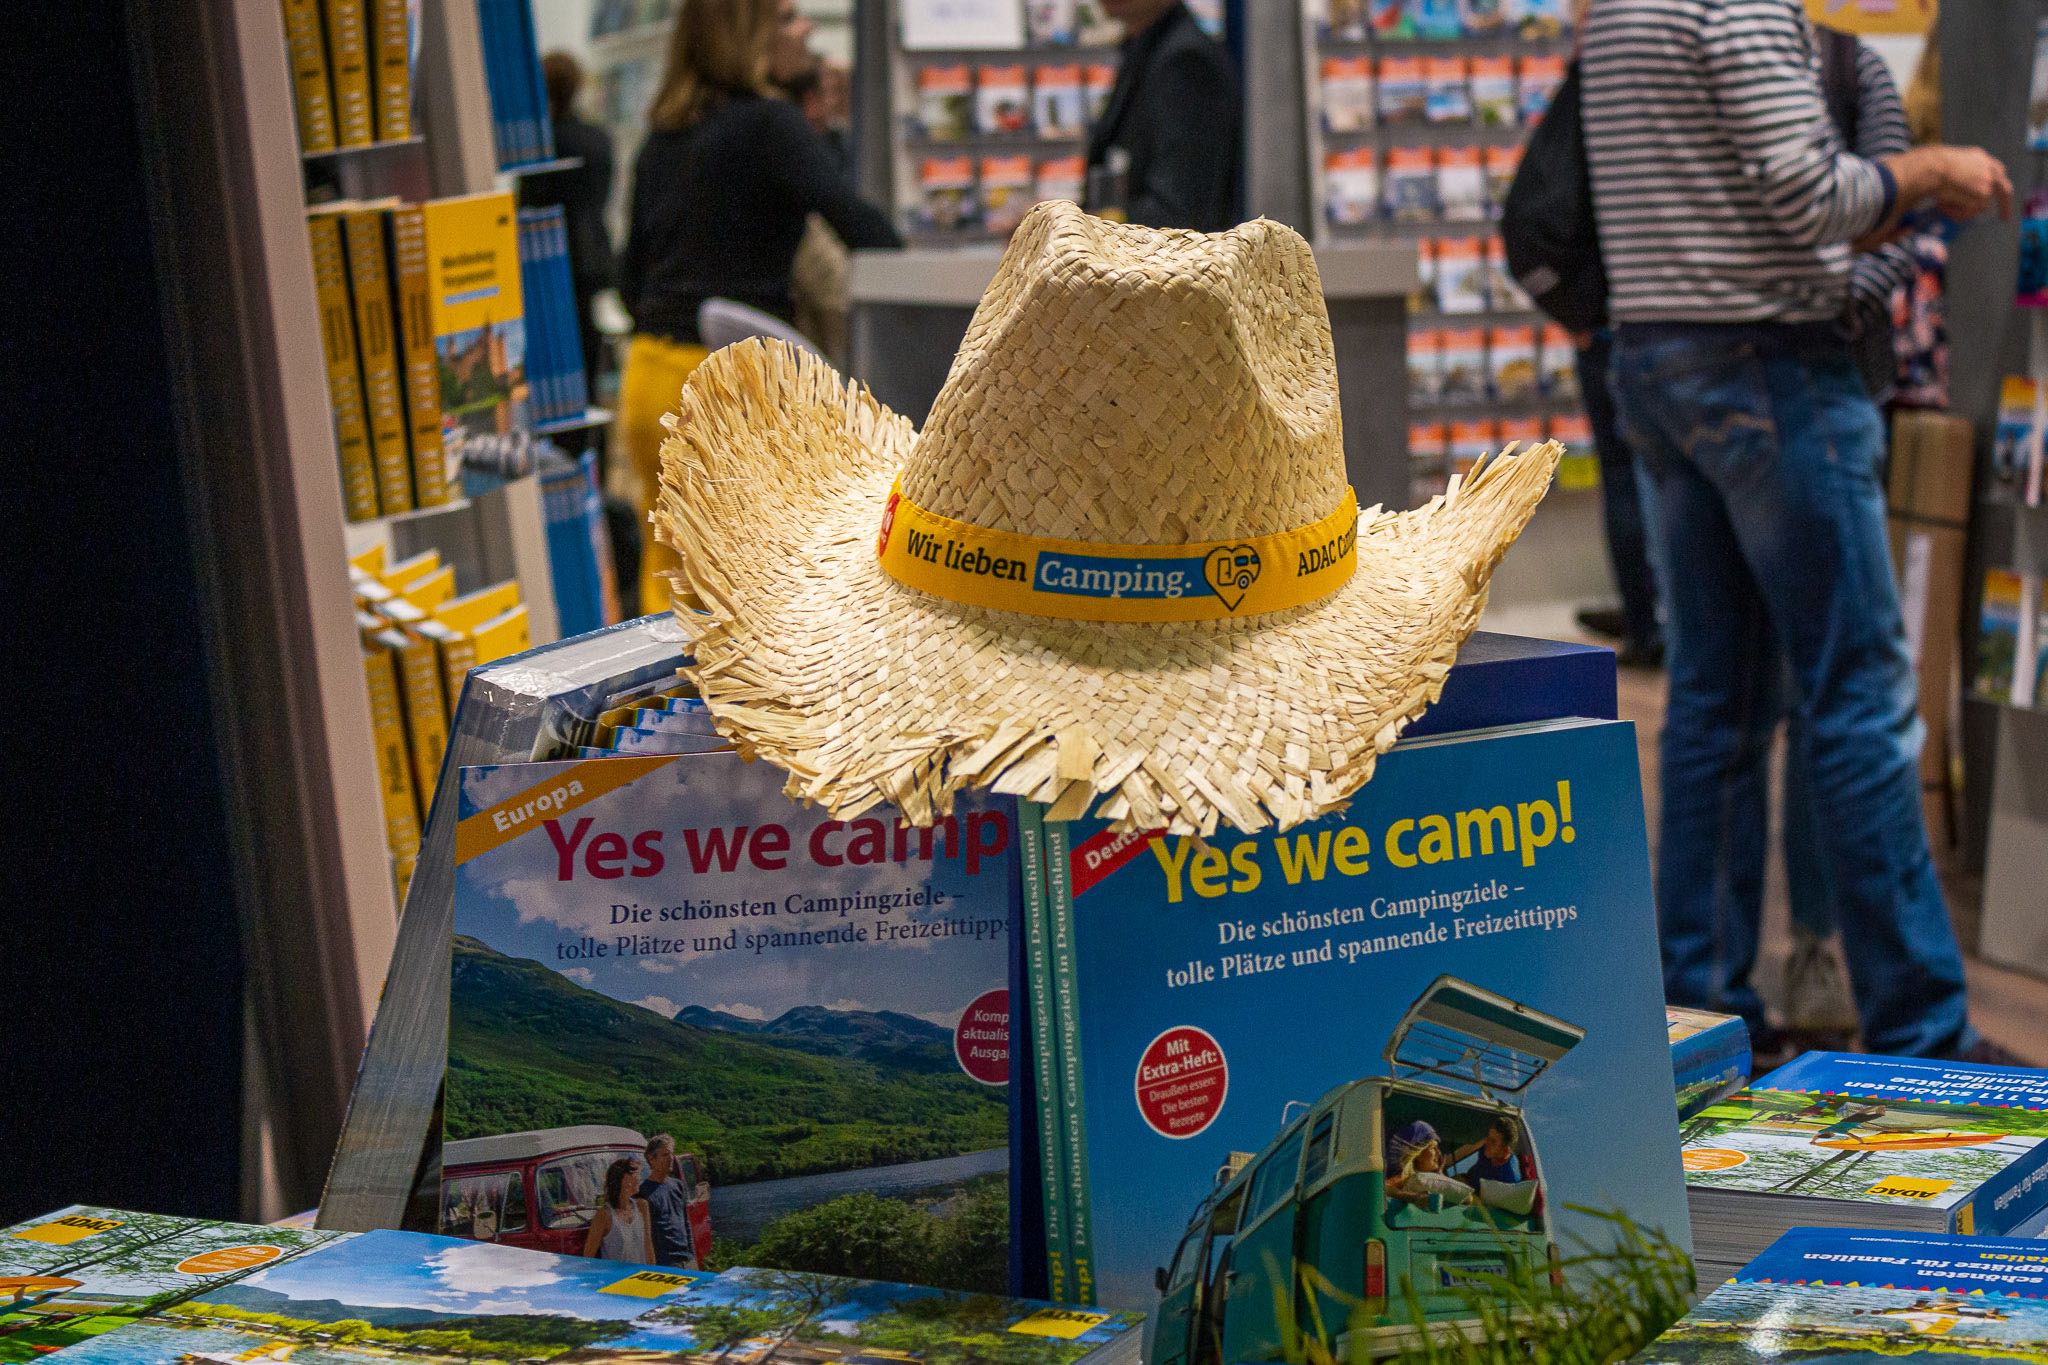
(1876, 275)
(1722, 190)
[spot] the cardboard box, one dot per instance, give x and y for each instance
(1933, 454)
(1928, 560)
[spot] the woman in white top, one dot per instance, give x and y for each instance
(622, 1230)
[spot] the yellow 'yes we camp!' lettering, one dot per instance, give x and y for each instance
(1523, 829)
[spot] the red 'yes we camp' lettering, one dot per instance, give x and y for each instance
(607, 856)
(720, 849)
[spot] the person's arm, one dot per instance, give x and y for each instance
(599, 1225)
(801, 166)
(632, 263)
(1880, 132)
(1187, 178)
(603, 267)
(1758, 68)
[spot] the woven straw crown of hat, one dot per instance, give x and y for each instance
(1132, 386)
(1118, 386)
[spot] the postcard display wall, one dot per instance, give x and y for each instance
(991, 107)
(1417, 111)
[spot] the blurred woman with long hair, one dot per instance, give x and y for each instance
(721, 191)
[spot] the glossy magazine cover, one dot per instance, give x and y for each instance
(1323, 1068)
(1961, 1138)
(73, 1275)
(815, 1010)
(1861, 1298)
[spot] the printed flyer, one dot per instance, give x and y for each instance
(816, 1011)
(1325, 1069)
(1862, 1298)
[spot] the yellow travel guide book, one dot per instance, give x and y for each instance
(459, 618)
(426, 714)
(406, 572)
(434, 591)
(391, 33)
(344, 371)
(501, 637)
(411, 297)
(477, 310)
(309, 75)
(368, 560)
(348, 60)
(394, 764)
(370, 288)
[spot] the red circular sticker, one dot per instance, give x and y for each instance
(981, 1040)
(1182, 1079)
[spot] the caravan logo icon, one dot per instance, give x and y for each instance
(1231, 571)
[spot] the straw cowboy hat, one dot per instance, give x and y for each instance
(1120, 569)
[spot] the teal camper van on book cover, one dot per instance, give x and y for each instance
(1853, 1297)
(815, 1010)
(1350, 1075)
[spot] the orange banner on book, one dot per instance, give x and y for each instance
(500, 824)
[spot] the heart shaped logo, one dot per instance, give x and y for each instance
(1231, 571)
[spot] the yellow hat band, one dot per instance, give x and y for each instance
(1078, 580)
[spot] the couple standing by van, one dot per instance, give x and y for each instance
(645, 1218)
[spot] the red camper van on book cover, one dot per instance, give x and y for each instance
(540, 1189)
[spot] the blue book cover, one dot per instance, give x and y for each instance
(1321, 1069)
(1847, 1297)
(1900, 1132)
(385, 1295)
(504, 113)
(541, 132)
(816, 1010)
(1709, 1056)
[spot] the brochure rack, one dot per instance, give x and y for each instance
(1414, 126)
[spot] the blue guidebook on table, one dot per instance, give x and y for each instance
(1851, 1297)
(1854, 1140)
(816, 1010)
(1709, 1056)
(1345, 1072)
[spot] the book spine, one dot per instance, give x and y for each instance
(550, 319)
(536, 316)
(2008, 1199)
(348, 59)
(415, 329)
(576, 392)
(426, 716)
(1066, 999)
(541, 131)
(490, 26)
(1045, 1051)
(458, 656)
(344, 370)
(394, 769)
(310, 89)
(394, 69)
(370, 287)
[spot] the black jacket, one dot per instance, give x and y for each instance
(718, 210)
(584, 192)
(1174, 112)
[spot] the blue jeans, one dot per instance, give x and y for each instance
(1629, 532)
(1765, 448)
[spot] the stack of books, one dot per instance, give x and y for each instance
(107, 1285)
(1827, 1294)
(554, 341)
(422, 325)
(351, 71)
(1847, 1141)
(520, 126)
(419, 642)
(1709, 1056)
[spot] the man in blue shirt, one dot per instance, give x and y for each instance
(669, 1202)
(1497, 1159)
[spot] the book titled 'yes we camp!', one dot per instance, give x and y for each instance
(1330, 1074)
(816, 1010)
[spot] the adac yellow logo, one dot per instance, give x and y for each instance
(1231, 571)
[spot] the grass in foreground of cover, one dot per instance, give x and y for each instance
(1615, 1301)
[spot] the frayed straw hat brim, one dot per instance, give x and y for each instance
(774, 478)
